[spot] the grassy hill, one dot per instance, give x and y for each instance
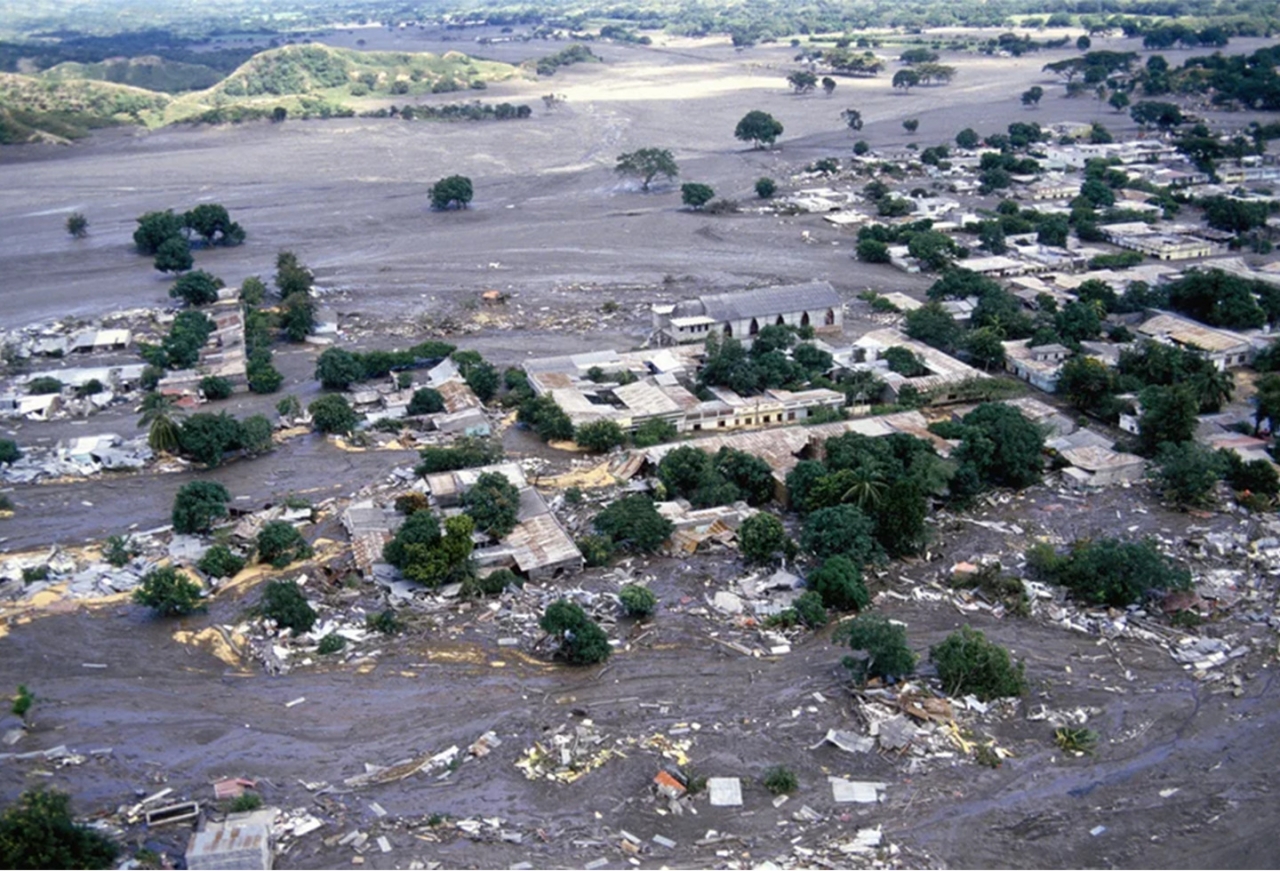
(34, 109)
(149, 72)
(310, 80)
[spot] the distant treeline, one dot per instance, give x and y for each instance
(79, 48)
(475, 111)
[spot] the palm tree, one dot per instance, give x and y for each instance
(1213, 389)
(161, 414)
(866, 488)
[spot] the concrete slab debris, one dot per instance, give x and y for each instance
(725, 791)
(855, 791)
(847, 741)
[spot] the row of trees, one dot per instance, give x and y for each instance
(168, 237)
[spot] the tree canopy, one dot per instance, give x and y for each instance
(454, 191)
(759, 128)
(648, 164)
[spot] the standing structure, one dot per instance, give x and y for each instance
(741, 315)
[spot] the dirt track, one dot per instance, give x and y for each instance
(349, 197)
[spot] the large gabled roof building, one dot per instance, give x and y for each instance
(742, 314)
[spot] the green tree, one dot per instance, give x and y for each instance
(1107, 571)
(215, 387)
(695, 195)
(933, 325)
(879, 648)
(1086, 382)
(802, 81)
(873, 251)
(1031, 96)
(9, 452)
(1187, 473)
(1169, 414)
(493, 503)
(168, 592)
(1001, 446)
(968, 139)
(1118, 100)
(600, 436)
(852, 119)
(280, 543)
(765, 187)
(653, 432)
(37, 831)
(648, 164)
(750, 475)
(633, 523)
(453, 191)
(206, 437)
(156, 228)
(840, 530)
(425, 400)
(546, 418)
(333, 414)
(839, 582)
(338, 369)
(197, 505)
(211, 222)
(759, 128)
(1266, 401)
(252, 291)
(220, 561)
(761, 537)
(173, 255)
(77, 225)
(582, 641)
(906, 79)
(283, 602)
(968, 663)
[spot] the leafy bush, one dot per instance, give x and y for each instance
(37, 831)
(810, 610)
(968, 663)
(599, 436)
(880, 648)
(283, 602)
(31, 574)
(653, 432)
(44, 384)
(197, 505)
(465, 453)
(331, 643)
(493, 583)
(780, 780)
(215, 387)
(412, 502)
(637, 601)
(242, 804)
(582, 641)
(23, 701)
(385, 622)
(633, 523)
(838, 581)
(494, 503)
(92, 387)
(220, 561)
(597, 550)
(332, 414)
(425, 401)
(761, 537)
(9, 452)
(119, 549)
(1108, 571)
(279, 543)
(168, 592)
(765, 187)
(1078, 741)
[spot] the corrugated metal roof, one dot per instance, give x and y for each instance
(769, 301)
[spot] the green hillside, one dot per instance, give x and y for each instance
(317, 80)
(149, 72)
(34, 109)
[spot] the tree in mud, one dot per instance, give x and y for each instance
(648, 164)
(454, 191)
(197, 505)
(168, 592)
(77, 225)
(582, 641)
(493, 503)
(37, 831)
(759, 128)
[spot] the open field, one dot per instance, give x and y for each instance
(555, 226)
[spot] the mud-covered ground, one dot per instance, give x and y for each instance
(553, 225)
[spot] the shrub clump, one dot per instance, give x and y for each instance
(1108, 571)
(168, 592)
(839, 582)
(331, 643)
(279, 543)
(283, 602)
(637, 601)
(968, 663)
(879, 648)
(220, 561)
(780, 780)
